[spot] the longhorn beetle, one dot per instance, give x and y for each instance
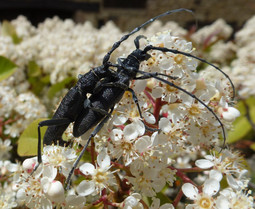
(107, 87)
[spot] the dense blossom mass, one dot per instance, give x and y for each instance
(128, 166)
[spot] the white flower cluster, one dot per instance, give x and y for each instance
(243, 68)
(236, 58)
(63, 48)
(132, 158)
(9, 173)
(18, 110)
(212, 33)
(226, 163)
(44, 189)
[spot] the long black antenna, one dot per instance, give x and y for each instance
(174, 51)
(125, 37)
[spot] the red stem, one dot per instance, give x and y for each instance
(146, 92)
(184, 177)
(178, 198)
(157, 108)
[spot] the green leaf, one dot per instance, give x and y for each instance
(7, 68)
(33, 69)
(163, 198)
(241, 126)
(251, 101)
(240, 129)
(45, 79)
(9, 30)
(253, 146)
(36, 85)
(59, 86)
(28, 141)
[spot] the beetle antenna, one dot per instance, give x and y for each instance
(188, 93)
(125, 37)
(174, 51)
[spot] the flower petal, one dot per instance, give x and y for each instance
(56, 192)
(215, 174)
(87, 169)
(103, 159)
(130, 132)
(157, 92)
(165, 125)
(211, 187)
(116, 134)
(149, 118)
(190, 191)
(222, 202)
(232, 182)
(204, 164)
(142, 143)
(85, 188)
(75, 200)
(50, 171)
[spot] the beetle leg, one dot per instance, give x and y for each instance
(96, 130)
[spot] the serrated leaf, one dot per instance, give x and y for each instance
(7, 68)
(59, 86)
(9, 30)
(28, 141)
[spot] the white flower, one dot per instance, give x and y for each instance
(58, 156)
(7, 197)
(183, 162)
(33, 190)
(121, 145)
(234, 200)
(6, 167)
(228, 163)
(101, 177)
(218, 29)
(203, 200)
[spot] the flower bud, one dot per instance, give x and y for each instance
(29, 164)
(230, 114)
(56, 192)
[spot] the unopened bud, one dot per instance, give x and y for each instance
(29, 164)
(229, 114)
(56, 192)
